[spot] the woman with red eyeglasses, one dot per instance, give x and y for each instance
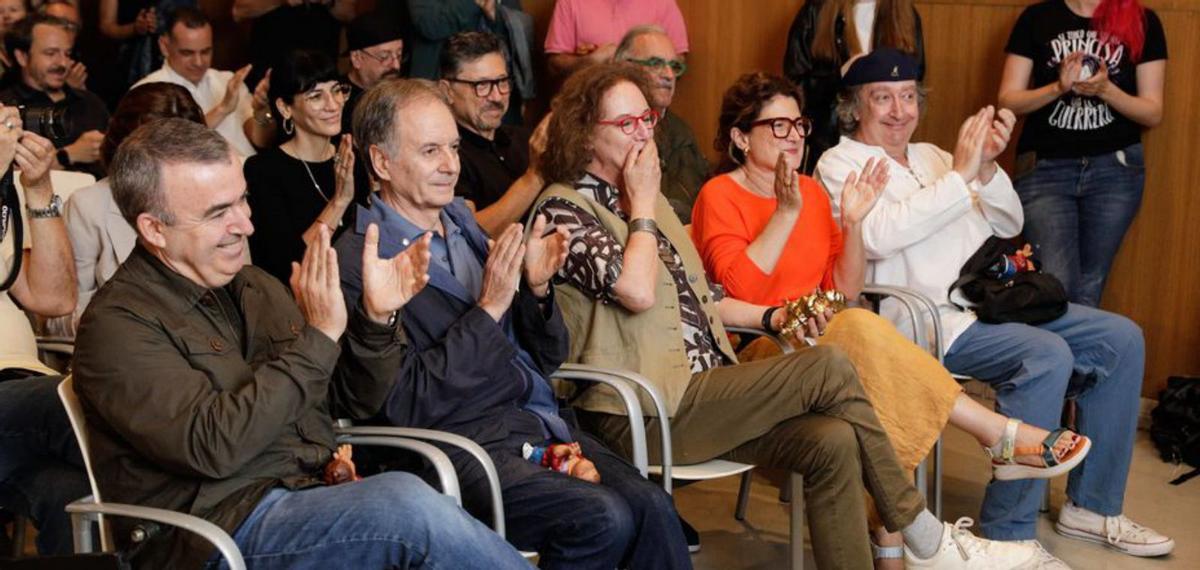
(767, 234)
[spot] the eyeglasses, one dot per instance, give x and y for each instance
(339, 92)
(484, 87)
(678, 68)
(629, 123)
(781, 127)
(387, 56)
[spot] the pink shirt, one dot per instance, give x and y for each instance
(600, 22)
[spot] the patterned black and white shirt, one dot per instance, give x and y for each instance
(595, 260)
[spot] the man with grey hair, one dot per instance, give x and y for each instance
(684, 168)
(208, 390)
(486, 334)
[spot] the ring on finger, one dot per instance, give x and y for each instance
(8, 123)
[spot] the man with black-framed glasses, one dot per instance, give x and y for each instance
(499, 162)
(684, 168)
(376, 49)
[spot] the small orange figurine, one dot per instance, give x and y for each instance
(340, 468)
(566, 458)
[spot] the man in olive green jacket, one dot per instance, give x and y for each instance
(208, 390)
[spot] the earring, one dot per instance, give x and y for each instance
(733, 157)
(288, 126)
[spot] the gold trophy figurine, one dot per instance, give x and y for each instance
(809, 306)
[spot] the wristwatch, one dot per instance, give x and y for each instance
(54, 210)
(64, 158)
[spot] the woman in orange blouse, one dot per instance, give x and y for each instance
(767, 234)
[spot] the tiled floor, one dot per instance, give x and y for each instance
(761, 542)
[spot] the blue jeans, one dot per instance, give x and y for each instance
(1076, 213)
(1087, 354)
(625, 521)
(41, 469)
(390, 520)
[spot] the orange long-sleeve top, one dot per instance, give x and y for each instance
(727, 217)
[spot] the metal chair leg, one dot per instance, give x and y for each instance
(937, 478)
(1045, 506)
(743, 496)
(785, 493)
(795, 484)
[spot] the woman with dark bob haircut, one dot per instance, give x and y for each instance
(635, 297)
(100, 236)
(768, 234)
(305, 180)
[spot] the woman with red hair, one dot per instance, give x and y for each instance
(1089, 75)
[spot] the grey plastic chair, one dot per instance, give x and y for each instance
(697, 472)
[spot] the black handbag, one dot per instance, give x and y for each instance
(1004, 288)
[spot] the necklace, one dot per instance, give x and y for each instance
(313, 179)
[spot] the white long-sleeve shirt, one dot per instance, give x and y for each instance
(926, 225)
(208, 94)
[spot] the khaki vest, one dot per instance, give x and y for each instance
(649, 343)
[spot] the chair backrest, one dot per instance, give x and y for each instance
(66, 393)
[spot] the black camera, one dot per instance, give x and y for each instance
(50, 121)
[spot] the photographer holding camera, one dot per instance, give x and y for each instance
(73, 119)
(40, 465)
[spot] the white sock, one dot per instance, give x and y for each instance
(924, 535)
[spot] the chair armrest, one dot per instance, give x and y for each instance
(441, 463)
(474, 449)
(209, 531)
(776, 338)
(910, 298)
(624, 382)
(56, 344)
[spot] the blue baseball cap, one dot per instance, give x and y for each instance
(883, 64)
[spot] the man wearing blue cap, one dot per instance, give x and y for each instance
(932, 217)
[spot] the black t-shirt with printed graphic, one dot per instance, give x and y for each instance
(1074, 125)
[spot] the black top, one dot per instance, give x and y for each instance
(275, 34)
(283, 204)
(85, 112)
(490, 167)
(356, 94)
(1074, 125)
(821, 79)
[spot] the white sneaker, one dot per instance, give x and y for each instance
(1118, 533)
(962, 550)
(1045, 560)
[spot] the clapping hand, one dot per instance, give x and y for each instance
(545, 254)
(233, 89)
(343, 170)
(77, 75)
(502, 273)
(1068, 71)
(968, 151)
(787, 188)
(862, 191)
(1094, 86)
(389, 284)
(317, 288)
(1000, 134)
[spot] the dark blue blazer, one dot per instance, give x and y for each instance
(459, 372)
